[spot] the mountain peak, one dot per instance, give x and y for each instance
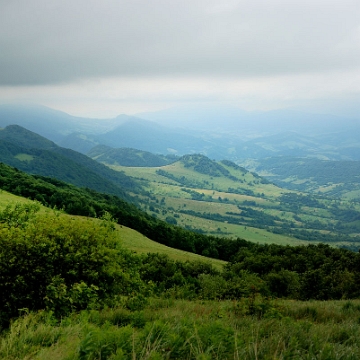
(25, 138)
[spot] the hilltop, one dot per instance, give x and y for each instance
(128, 157)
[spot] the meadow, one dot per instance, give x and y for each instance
(221, 198)
(167, 328)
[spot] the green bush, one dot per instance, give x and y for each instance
(60, 263)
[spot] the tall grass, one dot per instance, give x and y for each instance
(174, 329)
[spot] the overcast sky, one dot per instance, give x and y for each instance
(102, 58)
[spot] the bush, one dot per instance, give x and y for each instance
(60, 263)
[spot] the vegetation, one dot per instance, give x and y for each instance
(222, 198)
(180, 329)
(73, 292)
(128, 157)
(337, 179)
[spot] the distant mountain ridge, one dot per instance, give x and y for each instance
(128, 157)
(54, 124)
(218, 133)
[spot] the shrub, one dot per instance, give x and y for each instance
(60, 263)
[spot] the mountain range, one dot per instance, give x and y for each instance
(217, 133)
(198, 193)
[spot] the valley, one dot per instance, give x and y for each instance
(120, 241)
(225, 199)
(179, 180)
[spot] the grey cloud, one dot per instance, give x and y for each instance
(45, 41)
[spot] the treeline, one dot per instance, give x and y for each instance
(180, 179)
(309, 230)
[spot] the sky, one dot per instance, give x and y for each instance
(103, 58)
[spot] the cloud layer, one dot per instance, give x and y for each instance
(64, 42)
(45, 42)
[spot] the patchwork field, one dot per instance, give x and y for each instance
(221, 198)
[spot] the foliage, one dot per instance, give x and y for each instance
(254, 328)
(128, 157)
(302, 272)
(55, 193)
(49, 261)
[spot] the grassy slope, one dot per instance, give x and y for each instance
(161, 186)
(168, 198)
(168, 329)
(132, 239)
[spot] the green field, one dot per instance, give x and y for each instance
(24, 157)
(220, 198)
(7, 198)
(336, 179)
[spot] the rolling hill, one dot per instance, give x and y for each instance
(128, 157)
(224, 199)
(337, 179)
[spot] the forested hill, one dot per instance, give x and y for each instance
(128, 157)
(25, 138)
(34, 154)
(206, 166)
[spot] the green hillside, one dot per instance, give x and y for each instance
(337, 179)
(86, 202)
(129, 238)
(128, 157)
(71, 289)
(22, 137)
(223, 198)
(35, 154)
